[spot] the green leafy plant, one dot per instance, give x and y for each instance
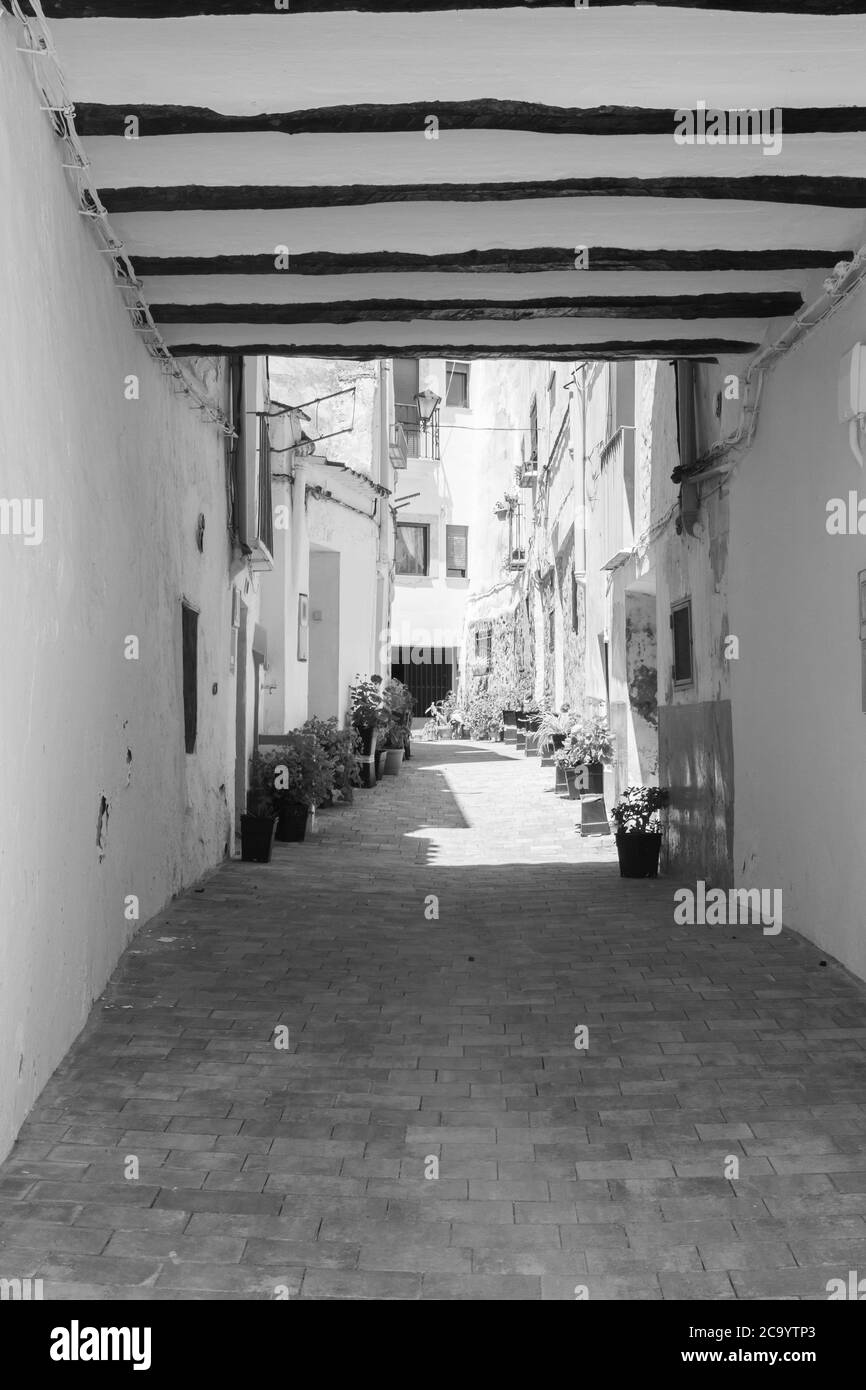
(302, 771)
(341, 749)
(552, 724)
(637, 811)
(260, 794)
(483, 716)
(399, 702)
(588, 741)
(368, 705)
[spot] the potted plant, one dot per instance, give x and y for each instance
(259, 823)
(638, 830)
(367, 714)
(588, 745)
(393, 752)
(302, 780)
(401, 704)
(482, 716)
(552, 732)
(340, 748)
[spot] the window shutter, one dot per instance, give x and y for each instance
(456, 550)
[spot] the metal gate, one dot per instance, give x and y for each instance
(428, 681)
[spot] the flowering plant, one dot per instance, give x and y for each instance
(637, 811)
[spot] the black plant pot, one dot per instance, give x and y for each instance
(368, 757)
(596, 778)
(509, 718)
(638, 853)
(257, 838)
(292, 822)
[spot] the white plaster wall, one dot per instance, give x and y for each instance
(354, 538)
(324, 691)
(122, 483)
(799, 732)
(289, 696)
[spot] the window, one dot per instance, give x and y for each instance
(681, 627)
(533, 429)
(484, 646)
(190, 675)
(412, 552)
(406, 374)
(457, 384)
(456, 551)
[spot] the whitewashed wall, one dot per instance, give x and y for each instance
(122, 484)
(798, 727)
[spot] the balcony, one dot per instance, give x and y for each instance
(515, 555)
(422, 440)
(528, 471)
(398, 447)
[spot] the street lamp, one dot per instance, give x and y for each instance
(427, 402)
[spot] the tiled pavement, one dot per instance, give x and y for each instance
(267, 1171)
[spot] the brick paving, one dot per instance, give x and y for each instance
(268, 1172)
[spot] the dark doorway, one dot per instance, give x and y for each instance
(427, 681)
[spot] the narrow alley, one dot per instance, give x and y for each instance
(434, 1124)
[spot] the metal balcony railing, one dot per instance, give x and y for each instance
(516, 556)
(422, 440)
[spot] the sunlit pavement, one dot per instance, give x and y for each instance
(435, 952)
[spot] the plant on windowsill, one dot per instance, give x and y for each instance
(259, 822)
(637, 816)
(506, 504)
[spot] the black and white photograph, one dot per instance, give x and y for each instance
(433, 674)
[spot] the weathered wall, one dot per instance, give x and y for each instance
(798, 725)
(331, 511)
(695, 752)
(696, 757)
(122, 483)
(641, 650)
